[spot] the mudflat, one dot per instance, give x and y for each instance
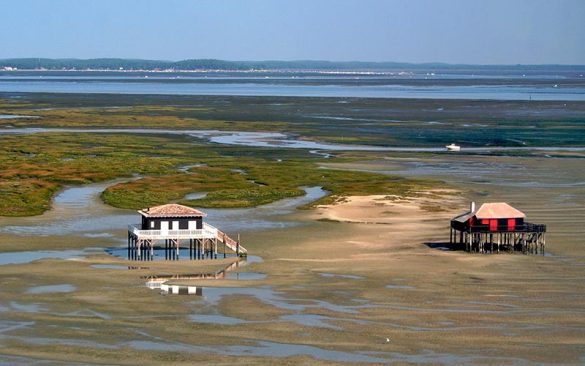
(362, 277)
(337, 285)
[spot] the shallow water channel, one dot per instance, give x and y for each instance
(280, 140)
(78, 211)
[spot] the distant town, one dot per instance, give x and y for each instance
(309, 66)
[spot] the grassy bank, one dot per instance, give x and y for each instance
(34, 167)
(254, 181)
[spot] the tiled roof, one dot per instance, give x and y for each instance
(498, 210)
(171, 210)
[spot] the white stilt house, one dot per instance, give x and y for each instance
(175, 225)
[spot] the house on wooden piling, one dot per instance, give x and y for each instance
(497, 226)
(176, 225)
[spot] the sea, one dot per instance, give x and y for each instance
(467, 86)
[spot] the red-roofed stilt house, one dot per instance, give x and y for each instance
(497, 225)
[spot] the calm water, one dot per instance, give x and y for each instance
(317, 88)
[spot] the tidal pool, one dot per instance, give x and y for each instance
(30, 256)
(25, 308)
(216, 319)
(399, 287)
(48, 289)
(15, 116)
(311, 320)
(268, 295)
(345, 276)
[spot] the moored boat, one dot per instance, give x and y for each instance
(453, 147)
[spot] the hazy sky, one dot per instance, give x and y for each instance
(453, 31)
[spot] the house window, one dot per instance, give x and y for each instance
(493, 225)
(152, 224)
(511, 224)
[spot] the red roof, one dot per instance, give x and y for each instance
(171, 210)
(498, 210)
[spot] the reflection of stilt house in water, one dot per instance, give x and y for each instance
(162, 282)
(499, 226)
(174, 225)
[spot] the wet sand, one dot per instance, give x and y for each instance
(333, 284)
(550, 190)
(337, 283)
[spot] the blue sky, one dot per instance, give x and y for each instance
(452, 31)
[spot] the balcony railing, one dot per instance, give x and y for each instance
(207, 232)
(523, 228)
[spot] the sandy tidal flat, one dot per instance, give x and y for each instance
(337, 285)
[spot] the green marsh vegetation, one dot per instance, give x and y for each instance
(34, 167)
(256, 182)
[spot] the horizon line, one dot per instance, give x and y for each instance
(425, 63)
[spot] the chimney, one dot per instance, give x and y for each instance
(472, 207)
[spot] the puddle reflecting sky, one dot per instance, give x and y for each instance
(51, 289)
(27, 257)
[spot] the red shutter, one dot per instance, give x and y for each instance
(493, 225)
(485, 222)
(511, 224)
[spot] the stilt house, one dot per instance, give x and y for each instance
(174, 225)
(496, 224)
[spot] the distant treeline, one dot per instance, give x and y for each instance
(212, 64)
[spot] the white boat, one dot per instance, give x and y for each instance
(453, 147)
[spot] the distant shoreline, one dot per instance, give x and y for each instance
(208, 71)
(307, 66)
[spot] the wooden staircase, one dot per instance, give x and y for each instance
(232, 244)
